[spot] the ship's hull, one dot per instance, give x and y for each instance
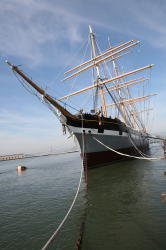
(96, 154)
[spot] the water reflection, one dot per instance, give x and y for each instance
(125, 210)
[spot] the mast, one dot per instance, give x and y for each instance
(118, 91)
(98, 80)
(133, 119)
(106, 81)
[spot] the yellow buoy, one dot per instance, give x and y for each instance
(163, 196)
(20, 168)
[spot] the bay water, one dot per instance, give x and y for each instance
(122, 202)
(125, 210)
(34, 202)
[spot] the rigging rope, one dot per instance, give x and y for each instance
(74, 56)
(31, 91)
(131, 156)
(74, 80)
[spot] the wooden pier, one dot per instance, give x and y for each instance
(12, 157)
(23, 156)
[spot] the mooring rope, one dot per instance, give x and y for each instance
(73, 202)
(66, 216)
(131, 156)
(138, 150)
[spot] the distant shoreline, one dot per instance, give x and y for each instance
(22, 156)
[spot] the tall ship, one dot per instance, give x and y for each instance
(113, 125)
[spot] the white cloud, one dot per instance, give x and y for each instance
(27, 27)
(38, 30)
(158, 122)
(23, 143)
(23, 133)
(21, 123)
(8, 117)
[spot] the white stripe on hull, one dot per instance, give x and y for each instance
(110, 138)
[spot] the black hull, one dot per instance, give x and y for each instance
(97, 159)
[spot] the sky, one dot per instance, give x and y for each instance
(43, 37)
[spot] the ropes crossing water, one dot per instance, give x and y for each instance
(131, 156)
(73, 202)
(66, 216)
(138, 150)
